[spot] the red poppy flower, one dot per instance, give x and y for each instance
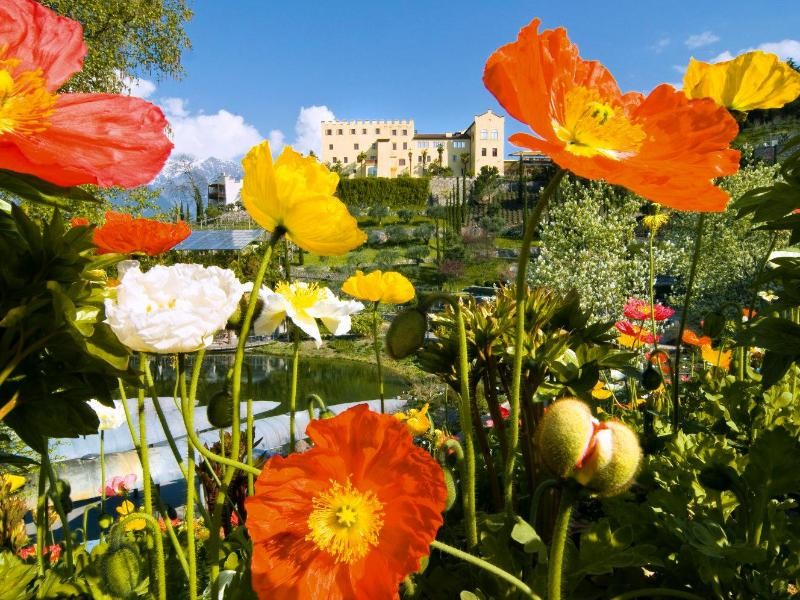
(639, 310)
(663, 147)
(123, 234)
(633, 336)
(68, 139)
(79, 222)
(691, 338)
(349, 518)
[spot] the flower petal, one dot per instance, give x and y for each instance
(100, 139)
(323, 225)
(41, 39)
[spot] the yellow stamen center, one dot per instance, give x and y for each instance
(592, 127)
(345, 522)
(300, 295)
(25, 104)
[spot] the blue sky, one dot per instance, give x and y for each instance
(255, 63)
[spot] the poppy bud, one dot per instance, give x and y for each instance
(612, 464)
(62, 491)
(120, 571)
(713, 324)
(406, 333)
(105, 521)
(220, 409)
(326, 414)
(450, 484)
(651, 378)
(235, 320)
(564, 434)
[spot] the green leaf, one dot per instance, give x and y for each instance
(602, 550)
(777, 334)
(43, 192)
(524, 533)
(16, 460)
(16, 578)
(772, 468)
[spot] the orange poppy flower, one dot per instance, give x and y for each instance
(123, 234)
(663, 147)
(691, 338)
(68, 139)
(717, 356)
(349, 518)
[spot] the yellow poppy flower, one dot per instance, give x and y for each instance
(417, 421)
(123, 510)
(749, 81)
(296, 193)
(599, 391)
(389, 288)
(11, 482)
(716, 356)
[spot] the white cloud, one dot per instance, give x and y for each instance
(307, 128)
(785, 49)
(134, 86)
(660, 45)
(722, 57)
(223, 135)
(174, 107)
(701, 39)
(276, 141)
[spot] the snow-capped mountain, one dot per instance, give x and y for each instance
(183, 172)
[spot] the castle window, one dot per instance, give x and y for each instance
(355, 146)
(405, 131)
(394, 131)
(483, 151)
(422, 144)
(330, 146)
(345, 160)
(378, 130)
(338, 132)
(402, 162)
(494, 134)
(494, 151)
(364, 131)
(484, 134)
(394, 146)
(328, 131)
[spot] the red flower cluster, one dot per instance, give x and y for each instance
(639, 310)
(123, 234)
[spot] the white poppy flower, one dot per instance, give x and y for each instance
(110, 417)
(304, 303)
(173, 309)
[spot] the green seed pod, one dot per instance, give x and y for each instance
(326, 414)
(105, 521)
(713, 324)
(220, 409)
(651, 378)
(614, 460)
(450, 484)
(119, 569)
(564, 434)
(62, 491)
(406, 333)
(235, 320)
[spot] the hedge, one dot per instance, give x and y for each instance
(393, 193)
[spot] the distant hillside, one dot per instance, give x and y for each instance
(181, 171)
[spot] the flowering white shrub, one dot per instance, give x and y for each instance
(172, 309)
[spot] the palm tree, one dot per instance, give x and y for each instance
(362, 158)
(424, 160)
(464, 157)
(410, 164)
(440, 150)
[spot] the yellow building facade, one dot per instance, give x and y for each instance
(393, 148)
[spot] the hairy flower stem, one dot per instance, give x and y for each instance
(555, 567)
(188, 416)
(676, 372)
(176, 545)
(486, 566)
(147, 489)
(377, 346)
(521, 289)
(102, 474)
(249, 432)
(470, 519)
(56, 497)
(236, 387)
(293, 386)
(41, 520)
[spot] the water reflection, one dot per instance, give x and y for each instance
(334, 380)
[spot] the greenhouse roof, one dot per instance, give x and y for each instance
(220, 239)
